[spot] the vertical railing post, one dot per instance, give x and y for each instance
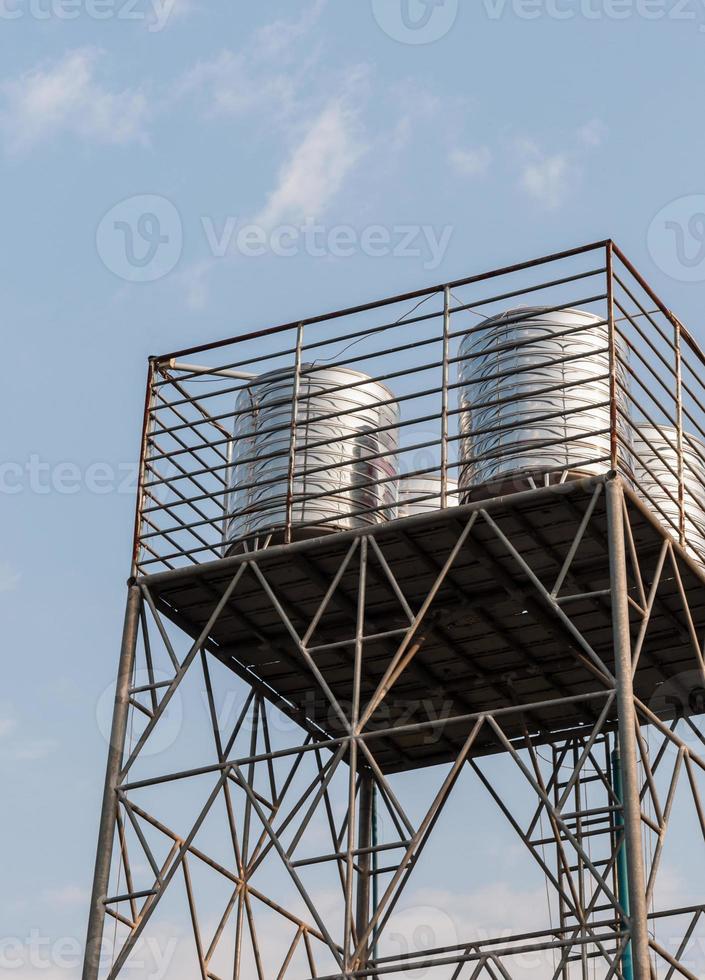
(679, 431)
(613, 361)
(627, 720)
(108, 816)
(227, 493)
(444, 397)
(293, 434)
(147, 424)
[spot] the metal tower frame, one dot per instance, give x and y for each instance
(566, 616)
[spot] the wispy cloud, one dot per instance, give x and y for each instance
(277, 37)
(471, 162)
(194, 280)
(549, 178)
(16, 747)
(66, 896)
(230, 87)
(317, 166)
(267, 72)
(593, 133)
(166, 12)
(6, 726)
(9, 577)
(67, 96)
(413, 107)
(31, 750)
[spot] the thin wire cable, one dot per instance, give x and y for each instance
(337, 354)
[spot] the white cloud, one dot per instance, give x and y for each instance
(232, 87)
(473, 162)
(277, 37)
(548, 179)
(66, 96)
(593, 133)
(6, 726)
(194, 281)
(413, 106)
(317, 167)
(65, 897)
(32, 750)
(270, 78)
(266, 73)
(15, 747)
(430, 917)
(9, 577)
(166, 12)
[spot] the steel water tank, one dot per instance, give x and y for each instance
(336, 432)
(656, 478)
(422, 494)
(505, 367)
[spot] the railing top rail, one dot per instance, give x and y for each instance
(187, 504)
(385, 301)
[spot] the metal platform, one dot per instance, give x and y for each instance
(570, 615)
(491, 640)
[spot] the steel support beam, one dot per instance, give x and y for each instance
(108, 816)
(627, 730)
(364, 860)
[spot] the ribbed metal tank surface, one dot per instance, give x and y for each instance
(413, 488)
(262, 433)
(505, 366)
(655, 473)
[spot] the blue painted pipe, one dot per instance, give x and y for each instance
(622, 862)
(375, 883)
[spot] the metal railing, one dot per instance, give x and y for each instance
(301, 452)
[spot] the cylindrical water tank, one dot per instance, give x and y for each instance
(511, 425)
(338, 484)
(422, 494)
(656, 478)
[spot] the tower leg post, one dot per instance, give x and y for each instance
(631, 802)
(108, 816)
(362, 916)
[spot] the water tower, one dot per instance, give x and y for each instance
(452, 544)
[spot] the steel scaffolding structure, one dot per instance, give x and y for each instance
(410, 658)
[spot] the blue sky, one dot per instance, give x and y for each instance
(523, 128)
